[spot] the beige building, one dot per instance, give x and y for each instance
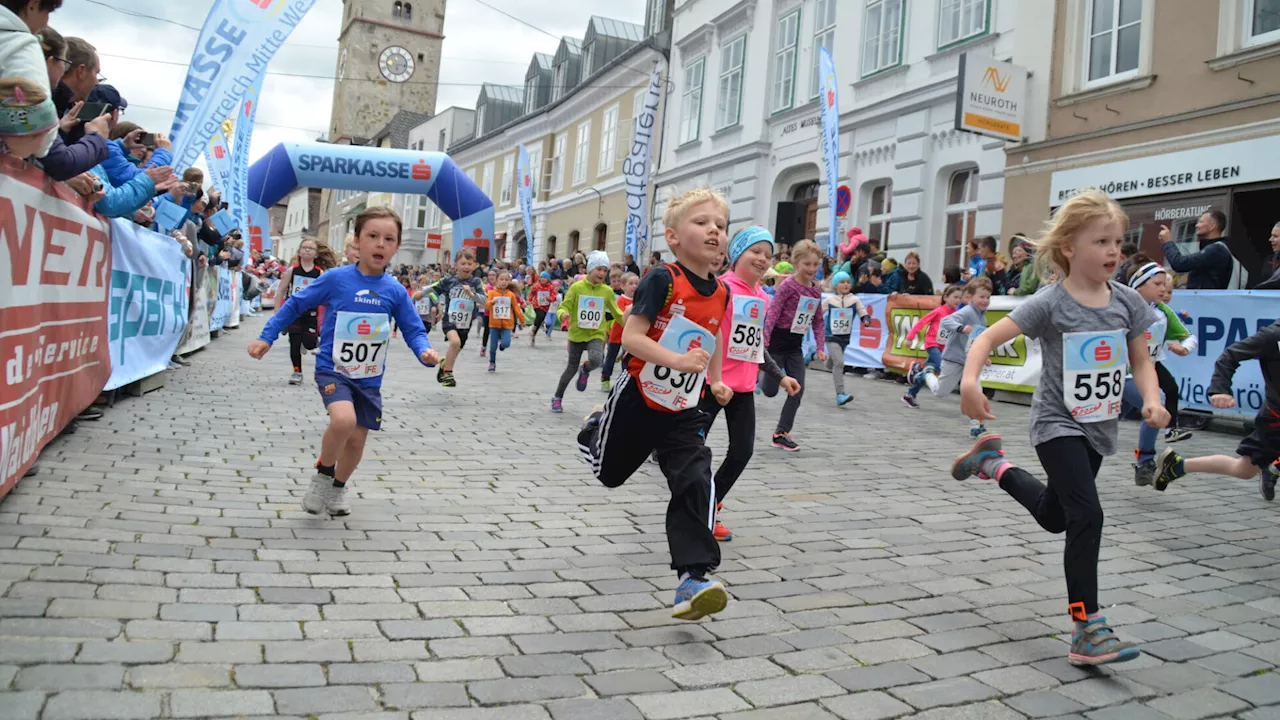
(575, 116)
(1173, 107)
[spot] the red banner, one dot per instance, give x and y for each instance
(55, 273)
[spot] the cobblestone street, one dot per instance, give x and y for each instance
(160, 566)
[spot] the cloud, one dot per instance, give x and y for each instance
(481, 45)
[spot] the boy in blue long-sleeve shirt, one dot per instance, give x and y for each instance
(359, 301)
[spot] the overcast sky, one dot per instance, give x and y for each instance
(481, 45)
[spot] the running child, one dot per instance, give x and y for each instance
(840, 310)
(926, 373)
(628, 284)
(359, 302)
(672, 342)
(1166, 330)
(491, 281)
(460, 293)
(1258, 453)
(586, 306)
(1168, 383)
(542, 295)
(796, 308)
(503, 306)
(1088, 326)
(427, 303)
(304, 332)
(743, 356)
(955, 332)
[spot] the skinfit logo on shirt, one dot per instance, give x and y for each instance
(369, 297)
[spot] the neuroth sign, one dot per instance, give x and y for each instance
(991, 98)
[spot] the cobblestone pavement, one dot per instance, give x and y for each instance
(160, 566)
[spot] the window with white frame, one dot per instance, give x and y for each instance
(824, 36)
(691, 100)
(729, 91)
(530, 94)
(1114, 39)
(480, 120)
(433, 218)
(960, 20)
(608, 140)
(557, 162)
(508, 169)
(882, 36)
(962, 215)
(1262, 21)
(562, 73)
(421, 210)
(486, 185)
(881, 208)
(580, 153)
(588, 56)
(535, 170)
(786, 43)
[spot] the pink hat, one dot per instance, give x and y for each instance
(855, 237)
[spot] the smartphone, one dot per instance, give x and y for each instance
(94, 110)
(148, 140)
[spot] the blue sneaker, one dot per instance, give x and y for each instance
(1096, 644)
(970, 464)
(843, 399)
(977, 430)
(914, 371)
(697, 598)
(583, 376)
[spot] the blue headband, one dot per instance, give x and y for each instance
(27, 119)
(747, 237)
(838, 277)
(1145, 273)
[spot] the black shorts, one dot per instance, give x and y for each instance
(1262, 447)
(367, 400)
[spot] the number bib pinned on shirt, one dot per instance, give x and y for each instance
(544, 298)
(841, 321)
(672, 389)
(423, 306)
(590, 312)
(501, 308)
(806, 308)
(746, 337)
(300, 282)
(1093, 365)
(944, 335)
(360, 344)
(1156, 335)
(460, 312)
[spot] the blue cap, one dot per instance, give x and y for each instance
(835, 279)
(545, 275)
(107, 94)
(747, 237)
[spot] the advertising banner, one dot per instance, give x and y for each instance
(218, 157)
(233, 314)
(196, 335)
(524, 194)
(991, 97)
(1218, 318)
(148, 306)
(237, 193)
(867, 343)
(638, 165)
(219, 298)
(829, 101)
(236, 43)
(55, 273)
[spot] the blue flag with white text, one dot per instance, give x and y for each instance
(829, 101)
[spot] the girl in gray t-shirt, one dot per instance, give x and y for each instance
(1090, 329)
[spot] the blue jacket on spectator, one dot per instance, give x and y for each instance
(121, 167)
(64, 161)
(123, 201)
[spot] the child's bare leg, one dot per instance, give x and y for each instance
(1239, 467)
(455, 348)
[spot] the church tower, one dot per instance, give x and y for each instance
(388, 60)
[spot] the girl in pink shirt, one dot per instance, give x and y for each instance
(917, 374)
(744, 356)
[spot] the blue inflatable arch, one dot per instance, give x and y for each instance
(352, 167)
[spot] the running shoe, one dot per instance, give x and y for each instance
(722, 533)
(448, 381)
(482, 352)
(1144, 473)
(295, 379)
(697, 598)
(977, 430)
(970, 464)
(317, 497)
(493, 367)
(339, 504)
(843, 399)
(440, 374)
(1173, 435)
(910, 401)
(1096, 644)
(583, 376)
(1168, 469)
(1267, 482)
(556, 405)
(914, 371)
(783, 441)
(606, 384)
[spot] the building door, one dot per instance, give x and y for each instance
(808, 194)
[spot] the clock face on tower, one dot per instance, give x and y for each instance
(396, 64)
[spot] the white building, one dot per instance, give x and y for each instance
(743, 115)
(423, 221)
